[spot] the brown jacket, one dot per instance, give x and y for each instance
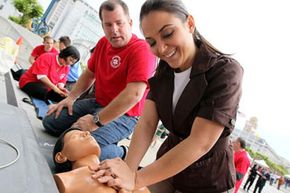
(213, 93)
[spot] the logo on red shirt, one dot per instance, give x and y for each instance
(62, 76)
(116, 61)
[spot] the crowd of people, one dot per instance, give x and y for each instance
(174, 76)
(259, 173)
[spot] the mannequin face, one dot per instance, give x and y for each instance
(77, 145)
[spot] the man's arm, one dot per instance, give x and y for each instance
(128, 98)
(31, 59)
(84, 82)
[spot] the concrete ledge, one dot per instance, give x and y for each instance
(10, 90)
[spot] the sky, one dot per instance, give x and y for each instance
(257, 35)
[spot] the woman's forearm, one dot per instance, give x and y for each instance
(201, 140)
(45, 80)
(142, 136)
(139, 145)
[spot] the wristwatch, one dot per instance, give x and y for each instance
(97, 120)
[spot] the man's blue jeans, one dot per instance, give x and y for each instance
(107, 136)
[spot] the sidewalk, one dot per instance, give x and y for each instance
(267, 188)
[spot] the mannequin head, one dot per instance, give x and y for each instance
(73, 152)
(73, 145)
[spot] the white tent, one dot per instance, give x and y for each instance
(261, 163)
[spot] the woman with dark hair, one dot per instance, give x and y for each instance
(46, 78)
(195, 93)
(73, 152)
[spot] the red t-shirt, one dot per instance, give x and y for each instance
(242, 163)
(46, 64)
(114, 68)
(38, 50)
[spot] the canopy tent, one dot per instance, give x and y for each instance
(261, 163)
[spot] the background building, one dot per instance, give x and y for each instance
(7, 9)
(248, 130)
(78, 20)
(10, 29)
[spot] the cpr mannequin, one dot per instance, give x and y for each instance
(74, 151)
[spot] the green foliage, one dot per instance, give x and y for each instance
(273, 166)
(29, 8)
(15, 19)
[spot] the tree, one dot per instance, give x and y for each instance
(274, 167)
(29, 8)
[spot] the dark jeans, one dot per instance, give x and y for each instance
(259, 186)
(249, 181)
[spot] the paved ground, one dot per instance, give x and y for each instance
(267, 188)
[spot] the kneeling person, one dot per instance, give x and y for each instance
(120, 66)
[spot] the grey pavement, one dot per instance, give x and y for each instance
(267, 188)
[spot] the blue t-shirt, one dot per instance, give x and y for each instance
(74, 72)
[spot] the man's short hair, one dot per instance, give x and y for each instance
(65, 40)
(242, 142)
(110, 5)
(47, 38)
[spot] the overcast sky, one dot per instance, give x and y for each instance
(256, 33)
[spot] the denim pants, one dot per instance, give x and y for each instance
(107, 136)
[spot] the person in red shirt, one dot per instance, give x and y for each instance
(195, 93)
(46, 78)
(47, 47)
(120, 67)
(241, 160)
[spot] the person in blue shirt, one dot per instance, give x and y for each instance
(73, 75)
(75, 70)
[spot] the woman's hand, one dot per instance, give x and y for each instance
(61, 91)
(115, 173)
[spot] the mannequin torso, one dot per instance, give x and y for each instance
(81, 150)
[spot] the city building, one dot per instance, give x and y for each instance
(249, 132)
(78, 20)
(7, 9)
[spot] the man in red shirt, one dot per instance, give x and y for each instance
(241, 160)
(120, 67)
(47, 47)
